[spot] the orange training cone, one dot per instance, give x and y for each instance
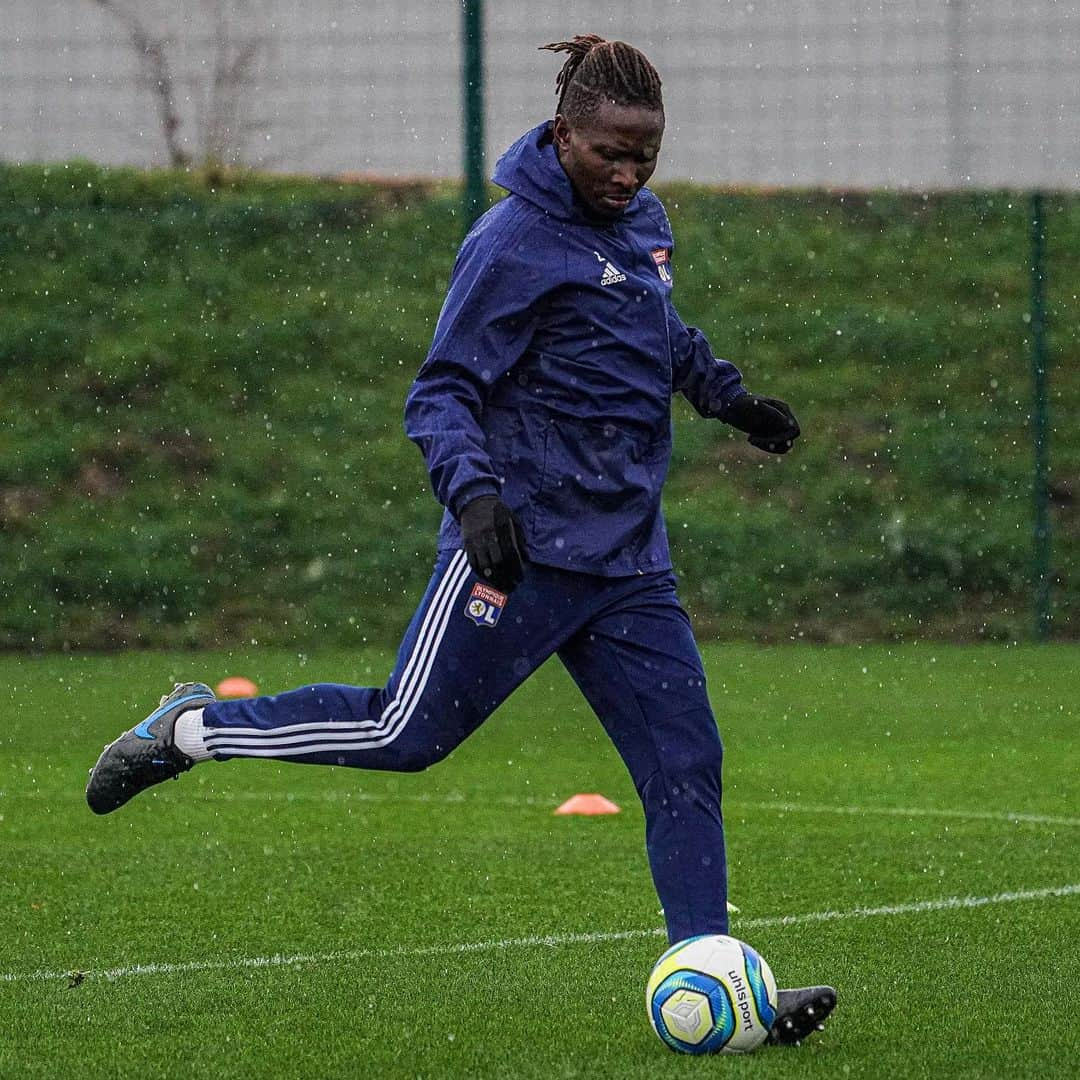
(236, 686)
(587, 805)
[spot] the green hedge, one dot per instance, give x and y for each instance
(202, 380)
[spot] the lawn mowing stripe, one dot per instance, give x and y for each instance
(918, 907)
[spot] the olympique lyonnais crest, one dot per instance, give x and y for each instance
(485, 605)
(662, 259)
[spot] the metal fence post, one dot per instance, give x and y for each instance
(473, 92)
(1039, 420)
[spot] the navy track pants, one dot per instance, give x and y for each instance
(625, 641)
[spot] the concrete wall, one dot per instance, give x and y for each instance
(904, 93)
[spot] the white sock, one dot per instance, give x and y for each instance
(188, 735)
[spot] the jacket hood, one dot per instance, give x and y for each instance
(530, 168)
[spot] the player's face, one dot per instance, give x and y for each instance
(610, 155)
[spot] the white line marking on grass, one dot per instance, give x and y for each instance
(458, 798)
(1008, 816)
(948, 903)
(918, 907)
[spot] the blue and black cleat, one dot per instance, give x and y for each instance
(146, 754)
(800, 1013)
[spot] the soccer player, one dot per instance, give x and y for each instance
(543, 411)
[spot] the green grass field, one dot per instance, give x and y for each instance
(903, 822)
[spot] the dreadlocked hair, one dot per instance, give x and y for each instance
(597, 71)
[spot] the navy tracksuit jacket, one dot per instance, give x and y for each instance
(550, 378)
(548, 383)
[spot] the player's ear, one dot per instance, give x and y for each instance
(561, 133)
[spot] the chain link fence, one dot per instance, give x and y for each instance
(852, 93)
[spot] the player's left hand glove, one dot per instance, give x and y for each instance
(494, 542)
(769, 422)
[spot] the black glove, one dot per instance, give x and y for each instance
(494, 542)
(769, 422)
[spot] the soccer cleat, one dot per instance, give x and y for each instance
(146, 754)
(801, 1012)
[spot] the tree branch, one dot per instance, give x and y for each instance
(155, 62)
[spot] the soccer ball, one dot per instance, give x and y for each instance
(711, 993)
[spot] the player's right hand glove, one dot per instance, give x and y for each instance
(494, 542)
(769, 422)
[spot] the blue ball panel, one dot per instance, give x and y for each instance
(766, 1013)
(722, 1011)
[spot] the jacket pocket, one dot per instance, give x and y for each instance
(599, 493)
